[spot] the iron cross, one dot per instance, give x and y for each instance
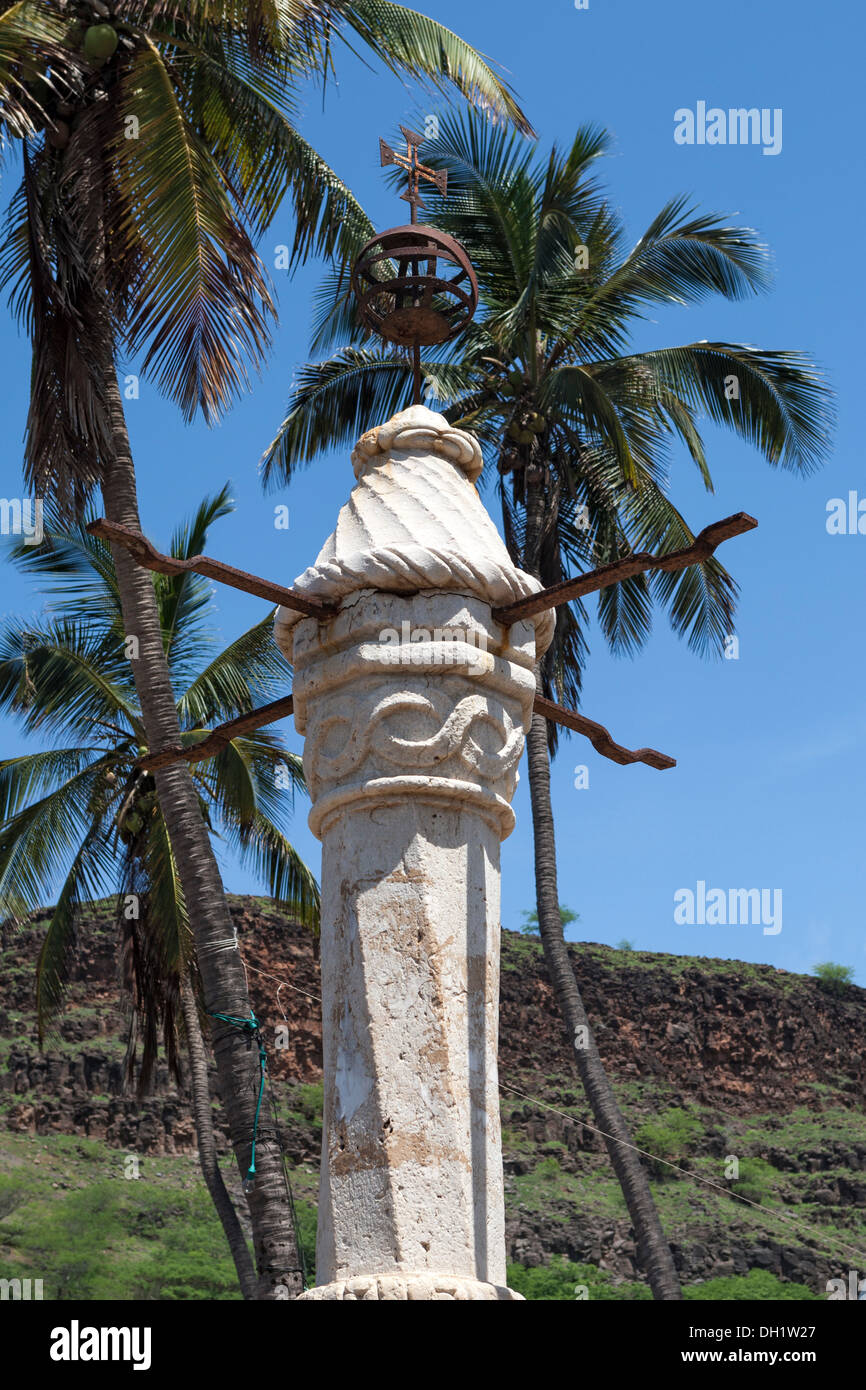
(414, 168)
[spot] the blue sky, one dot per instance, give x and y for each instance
(771, 747)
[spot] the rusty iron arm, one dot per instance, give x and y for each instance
(600, 738)
(147, 555)
(701, 549)
(279, 709)
(220, 736)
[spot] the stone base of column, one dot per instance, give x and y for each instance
(410, 1288)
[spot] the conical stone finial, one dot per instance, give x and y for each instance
(414, 521)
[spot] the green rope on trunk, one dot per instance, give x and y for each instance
(250, 1026)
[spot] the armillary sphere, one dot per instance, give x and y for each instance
(415, 285)
(422, 301)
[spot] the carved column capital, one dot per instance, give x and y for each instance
(413, 697)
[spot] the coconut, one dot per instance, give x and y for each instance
(100, 41)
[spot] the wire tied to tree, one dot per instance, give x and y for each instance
(226, 943)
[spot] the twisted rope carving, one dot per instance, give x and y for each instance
(410, 437)
(414, 567)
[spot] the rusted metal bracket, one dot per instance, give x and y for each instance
(279, 709)
(600, 738)
(147, 555)
(220, 736)
(702, 548)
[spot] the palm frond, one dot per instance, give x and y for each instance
(90, 867)
(782, 405)
(684, 257)
(165, 939)
(68, 435)
(263, 157)
(32, 774)
(335, 318)
(32, 52)
(406, 41)
(185, 598)
(250, 671)
(65, 676)
(38, 844)
(289, 881)
(581, 397)
(200, 305)
(75, 572)
(700, 600)
(251, 799)
(332, 404)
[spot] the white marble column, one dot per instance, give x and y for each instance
(414, 706)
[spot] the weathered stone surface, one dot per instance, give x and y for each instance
(414, 710)
(410, 1288)
(403, 697)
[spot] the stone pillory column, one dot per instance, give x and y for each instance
(414, 704)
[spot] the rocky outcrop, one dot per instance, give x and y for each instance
(749, 1036)
(748, 1043)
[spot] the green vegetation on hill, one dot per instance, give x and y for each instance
(790, 1213)
(668, 1139)
(833, 977)
(69, 1217)
(561, 1281)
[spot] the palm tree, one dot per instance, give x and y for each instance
(577, 432)
(155, 149)
(81, 815)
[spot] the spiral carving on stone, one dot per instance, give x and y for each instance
(414, 521)
(385, 731)
(411, 567)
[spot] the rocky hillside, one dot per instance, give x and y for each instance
(750, 1079)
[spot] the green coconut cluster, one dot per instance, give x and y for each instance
(527, 423)
(138, 808)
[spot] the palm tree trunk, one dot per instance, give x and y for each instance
(653, 1250)
(207, 1152)
(219, 961)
